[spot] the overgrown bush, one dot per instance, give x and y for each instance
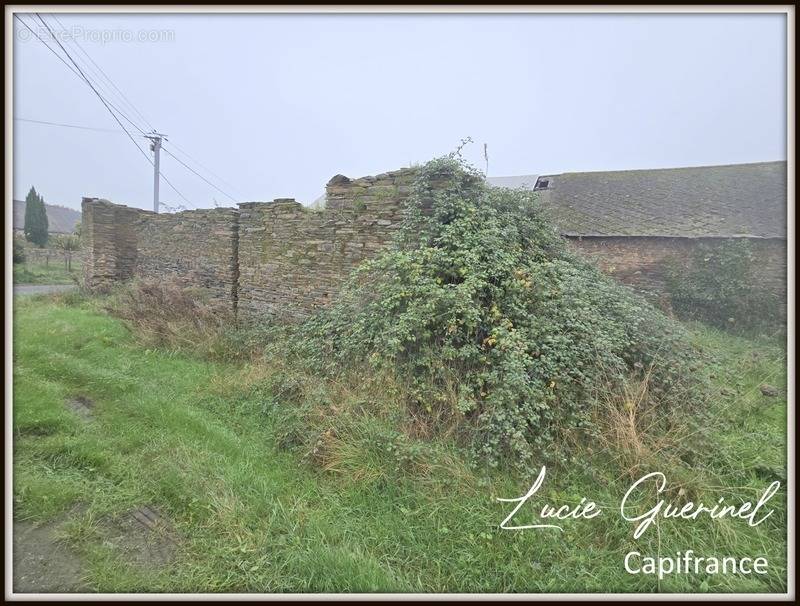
(491, 323)
(720, 287)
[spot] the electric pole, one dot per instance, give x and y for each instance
(155, 147)
(486, 157)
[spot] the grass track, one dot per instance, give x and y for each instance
(198, 440)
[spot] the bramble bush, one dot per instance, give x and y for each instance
(494, 326)
(720, 287)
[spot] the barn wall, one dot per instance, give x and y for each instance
(642, 262)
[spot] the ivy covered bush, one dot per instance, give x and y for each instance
(721, 287)
(491, 323)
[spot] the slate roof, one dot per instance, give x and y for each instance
(703, 201)
(60, 219)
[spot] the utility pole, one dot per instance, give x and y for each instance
(486, 157)
(155, 147)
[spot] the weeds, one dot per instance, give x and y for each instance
(280, 479)
(165, 314)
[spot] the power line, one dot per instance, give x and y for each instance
(72, 69)
(94, 90)
(106, 76)
(179, 149)
(112, 109)
(47, 123)
(119, 132)
(135, 109)
(176, 190)
(103, 101)
(104, 130)
(198, 174)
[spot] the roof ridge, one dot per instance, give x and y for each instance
(650, 170)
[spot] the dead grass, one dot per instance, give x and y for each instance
(165, 314)
(631, 429)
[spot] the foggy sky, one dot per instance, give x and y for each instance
(277, 104)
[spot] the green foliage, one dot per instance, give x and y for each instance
(481, 310)
(720, 287)
(189, 437)
(18, 254)
(67, 244)
(34, 272)
(35, 219)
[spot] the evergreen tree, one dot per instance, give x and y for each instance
(35, 219)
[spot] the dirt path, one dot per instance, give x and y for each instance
(43, 564)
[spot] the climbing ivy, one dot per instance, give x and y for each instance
(719, 285)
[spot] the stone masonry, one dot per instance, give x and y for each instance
(284, 260)
(278, 258)
(293, 259)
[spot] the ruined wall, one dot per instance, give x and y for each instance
(109, 235)
(195, 247)
(280, 258)
(642, 262)
(293, 259)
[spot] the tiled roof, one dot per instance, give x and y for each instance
(730, 200)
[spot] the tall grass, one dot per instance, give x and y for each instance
(279, 479)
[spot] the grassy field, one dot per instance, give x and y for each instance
(53, 273)
(201, 442)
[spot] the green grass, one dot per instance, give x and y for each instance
(54, 272)
(202, 442)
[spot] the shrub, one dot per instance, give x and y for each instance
(67, 244)
(480, 309)
(721, 287)
(19, 251)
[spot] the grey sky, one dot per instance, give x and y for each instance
(277, 104)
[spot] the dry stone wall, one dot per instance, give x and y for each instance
(109, 242)
(283, 259)
(197, 248)
(293, 259)
(278, 258)
(642, 262)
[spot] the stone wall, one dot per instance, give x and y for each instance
(642, 262)
(196, 248)
(280, 258)
(293, 259)
(108, 232)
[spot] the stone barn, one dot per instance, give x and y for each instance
(634, 222)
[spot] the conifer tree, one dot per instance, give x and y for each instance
(35, 219)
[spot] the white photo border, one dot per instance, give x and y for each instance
(787, 10)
